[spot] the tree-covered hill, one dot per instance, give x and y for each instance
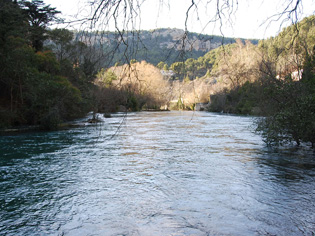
(167, 45)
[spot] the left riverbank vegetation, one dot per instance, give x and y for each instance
(45, 76)
(49, 76)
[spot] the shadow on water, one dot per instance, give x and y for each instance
(31, 144)
(288, 163)
(286, 190)
(34, 175)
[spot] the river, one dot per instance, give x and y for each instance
(155, 173)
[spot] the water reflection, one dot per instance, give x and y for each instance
(175, 173)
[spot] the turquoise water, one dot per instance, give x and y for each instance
(158, 173)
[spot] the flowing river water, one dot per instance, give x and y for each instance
(155, 173)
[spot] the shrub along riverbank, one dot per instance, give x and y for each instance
(275, 79)
(39, 87)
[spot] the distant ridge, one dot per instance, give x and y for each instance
(165, 44)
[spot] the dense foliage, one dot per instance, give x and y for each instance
(36, 87)
(291, 108)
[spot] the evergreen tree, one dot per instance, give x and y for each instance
(39, 16)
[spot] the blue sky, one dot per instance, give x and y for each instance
(248, 20)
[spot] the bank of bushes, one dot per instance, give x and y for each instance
(274, 80)
(37, 85)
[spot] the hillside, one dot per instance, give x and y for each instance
(167, 45)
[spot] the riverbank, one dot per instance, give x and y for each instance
(89, 119)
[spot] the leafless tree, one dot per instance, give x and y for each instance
(124, 16)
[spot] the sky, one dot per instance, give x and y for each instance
(248, 19)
